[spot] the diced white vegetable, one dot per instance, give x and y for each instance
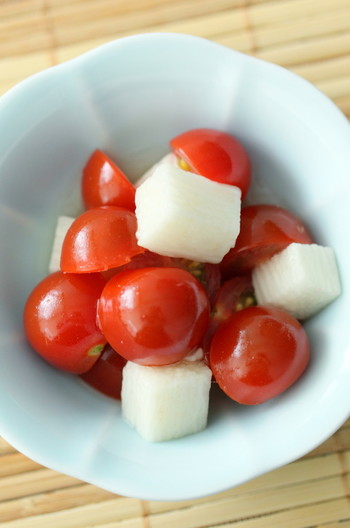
(62, 226)
(181, 214)
(301, 279)
(169, 158)
(166, 402)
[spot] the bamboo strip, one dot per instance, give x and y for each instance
(25, 43)
(324, 69)
(232, 20)
(303, 517)
(272, 12)
(69, 30)
(128, 523)
(239, 506)
(304, 470)
(4, 87)
(154, 10)
(38, 481)
(340, 524)
(301, 52)
(26, 22)
(321, 24)
(20, 7)
(15, 463)
(335, 87)
(17, 68)
(51, 502)
(6, 448)
(113, 510)
(344, 104)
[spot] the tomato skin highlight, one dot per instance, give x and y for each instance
(153, 316)
(216, 155)
(60, 320)
(104, 183)
(99, 239)
(107, 373)
(265, 230)
(258, 353)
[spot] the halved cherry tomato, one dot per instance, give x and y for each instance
(100, 239)
(104, 183)
(265, 230)
(215, 155)
(148, 259)
(234, 295)
(107, 373)
(60, 320)
(258, 353)
(153, 316)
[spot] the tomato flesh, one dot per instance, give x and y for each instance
(99, 239)
(233, 295)
(107, 373)
(153, 316)
(209, 275)
(265, 230)
(104, 183)
(258, 353)
(215, 155)
(60, 320)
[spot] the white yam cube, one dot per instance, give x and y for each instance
(181, 214)
(166, 402)
(170, 159)
(62, 226)
(301, 279)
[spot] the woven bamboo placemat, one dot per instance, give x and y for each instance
(309, 37)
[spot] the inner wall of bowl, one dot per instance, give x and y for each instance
(130, 104)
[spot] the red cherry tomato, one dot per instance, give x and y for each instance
(215, 155)
(265, 230)
(234, 295)
(60, 320)
(103, 183)
(106, 374)
(258, 353)
(100, 239)
(153, 316)
(148, 259)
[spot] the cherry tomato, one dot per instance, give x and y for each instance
(148, 259)
(60, 320)
(215, 155)
(106, 374)
(258, 353)
(103, 183)
(100, 239)
(265, 230)
(153, 316)
(234, 295)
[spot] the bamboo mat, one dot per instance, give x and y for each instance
(311, 38)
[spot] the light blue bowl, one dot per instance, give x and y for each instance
(129, 98)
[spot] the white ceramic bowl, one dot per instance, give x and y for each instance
(129, 98)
